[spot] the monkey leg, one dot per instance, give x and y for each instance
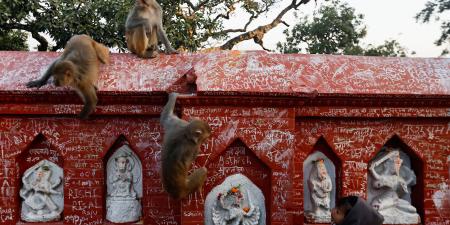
(87, 92)
(194, 182)
(151, 53)
(102, 52)
(137, 42)
(163, 37)
(43, 80)
(152, 47)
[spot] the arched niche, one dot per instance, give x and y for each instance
(319, 173)
(396, 171)
(42, 192)
(124, 188)
(38, 155)
(237, 200)
(237, 158)
(38, 150)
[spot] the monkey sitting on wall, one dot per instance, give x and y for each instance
(77, 67)
(182, 141)
(144, 28)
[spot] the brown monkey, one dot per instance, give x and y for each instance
(181, 145)
(77, 67)
(144, 28)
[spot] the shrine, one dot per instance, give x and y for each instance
(291, 134)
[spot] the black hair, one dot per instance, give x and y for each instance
(346, 203)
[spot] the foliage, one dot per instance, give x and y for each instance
(389, 48)
(13, 40)
(189, 25)
(61, 19)
(334, 29)
(436, 8)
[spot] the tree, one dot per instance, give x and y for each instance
(102, 19)
(389, 48)
(189, 25)
(436, 8)
(13, 40)
(334, 29)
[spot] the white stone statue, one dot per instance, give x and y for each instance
(389, 191)
(237, 201)
(320, 187)
(42, 192)
(124, 187)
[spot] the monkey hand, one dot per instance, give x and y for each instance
(171, 51)
(35, 83)
(180, 96)
(84, 114)
(173, 95)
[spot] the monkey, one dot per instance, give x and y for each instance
(181, 145)
(77, 67)
(143, 29)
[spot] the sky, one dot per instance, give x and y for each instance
(385, 20)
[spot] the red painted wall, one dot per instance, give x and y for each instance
(264, 131)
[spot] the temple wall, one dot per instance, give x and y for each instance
(268, 145)
(269, 114)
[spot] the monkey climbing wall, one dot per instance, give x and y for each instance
(268, 113)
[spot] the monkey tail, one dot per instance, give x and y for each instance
(102, 52)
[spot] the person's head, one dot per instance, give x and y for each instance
(342, 208)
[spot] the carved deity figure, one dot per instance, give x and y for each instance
(42, 197)
(392, 181)
(237, 201)
(124, 187)
(231, 210)
(122, 179)
(320, 187)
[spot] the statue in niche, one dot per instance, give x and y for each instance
(320, 186)
(124, 187)
(42, 193)
(391, 184)
(236, 211)
(237, 201)
(122, 179)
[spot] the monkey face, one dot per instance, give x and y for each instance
(62, 79)
(63, 74)
(198, 131)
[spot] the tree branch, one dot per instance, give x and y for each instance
(43, 44)
(258, 33)
(240, 29)
(196, 7)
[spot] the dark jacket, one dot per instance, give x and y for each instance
(362, 214)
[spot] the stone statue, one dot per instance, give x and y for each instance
(42, 193)
(123, 202)
(236, 213)
(391, 184)
(320, 187)
(237, 201)
(122, 179)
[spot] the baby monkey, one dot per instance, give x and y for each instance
(77, 67)
(182, 141)
(144, 28)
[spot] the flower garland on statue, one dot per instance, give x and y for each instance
(236, 193)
